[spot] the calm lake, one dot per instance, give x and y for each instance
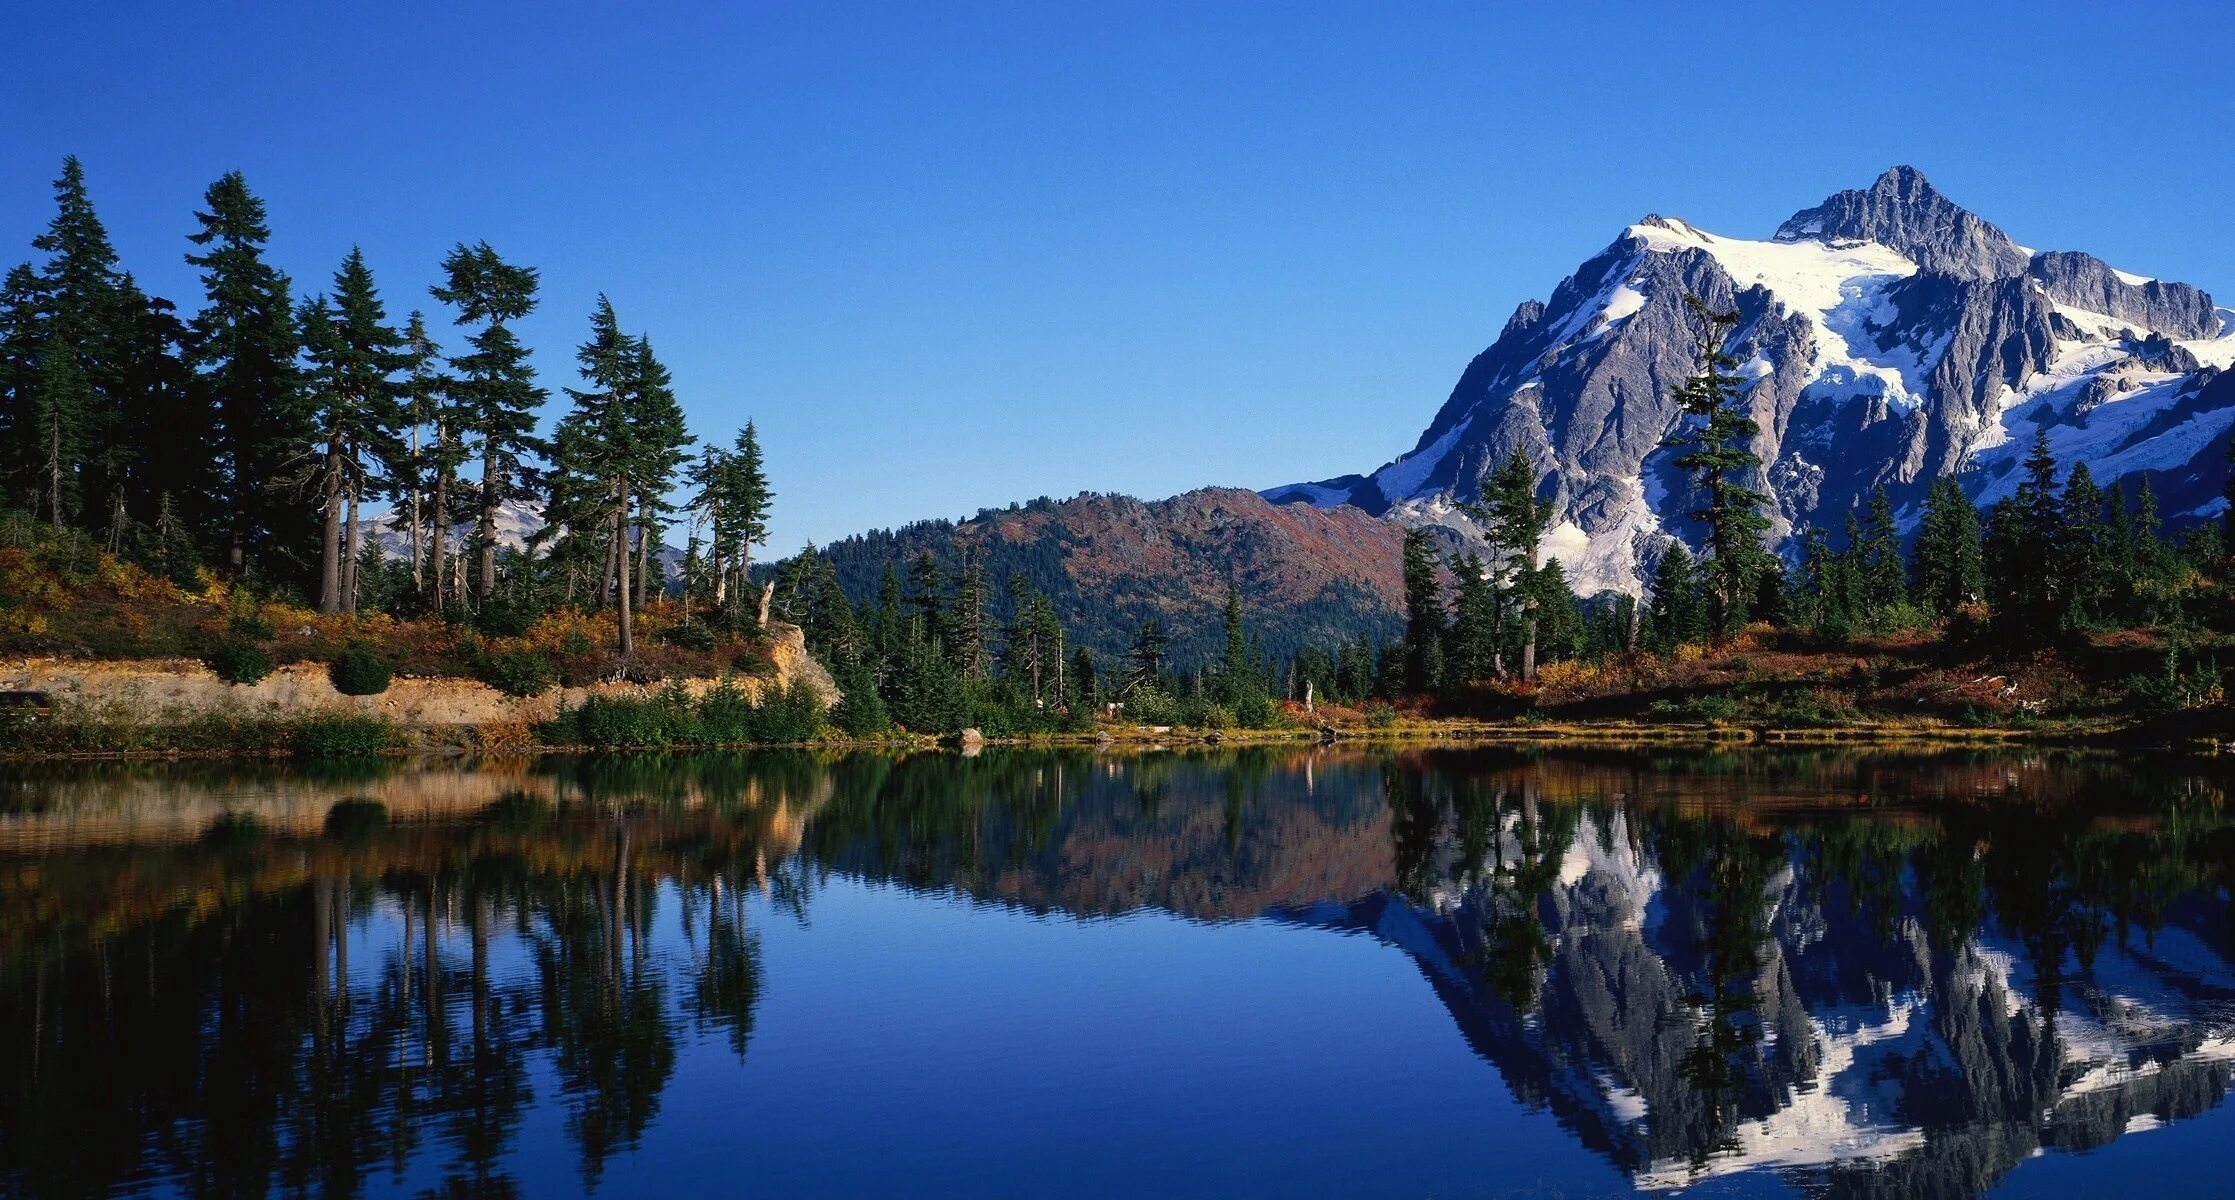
(1338, 972)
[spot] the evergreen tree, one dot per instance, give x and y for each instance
(495, 394)
(1474, 624)
(22, 340)
(1561, 629)
(243, 344)
(88, 314)
(357, 407)
(1884, 574)
(1674, 608)
(927, 600)
(1145, 661)
(2023, 551)
(746, 500)
(157, 409)
(1946, 566)
(1514, 523)
(964, 626)
(1718, 451)
(427, 489)
(59, 408)
(2086, 558)
(660, 443)
(594, 453)
(1424, 617)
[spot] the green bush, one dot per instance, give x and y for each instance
(517, 672)
(1146, 705)
(671, 717)
(1380, 716)
(505, 616)
(359, 672)
(239, 662)
(248, 625)
(336, 735)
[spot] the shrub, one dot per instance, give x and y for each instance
(691, 635)
(505, 616)
(1148, 705)
(249, 625)
(359, 672)
(1380, 716)
(517, 672)
(239, 662)
(335, 735)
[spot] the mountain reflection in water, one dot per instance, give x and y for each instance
(1869, 975)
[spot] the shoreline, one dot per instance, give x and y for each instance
(466, 741)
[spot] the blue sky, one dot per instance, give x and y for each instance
(952, 255)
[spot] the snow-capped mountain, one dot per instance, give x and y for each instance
(1887, 336)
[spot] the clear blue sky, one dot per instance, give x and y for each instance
(951, 255)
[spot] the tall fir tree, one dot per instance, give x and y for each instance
(243, 345)
(1473, 649)
(495, 393)
(1424, 615)
(88, 315)
(357, 405)
(1947, 571)
(59, 415)
(428, 492)
(1674, 610)
(1515, 524)
(1718, 450)
(593, 456)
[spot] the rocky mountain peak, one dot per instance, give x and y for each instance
(1902, 210)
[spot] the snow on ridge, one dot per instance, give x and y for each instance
(1314, 494)
(1839, 288)
(1402, 479)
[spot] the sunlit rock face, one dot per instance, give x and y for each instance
(1886, 337)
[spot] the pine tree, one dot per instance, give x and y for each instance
(927, 600)
(1718, 452)
(358, 409)
(2024, 551)
(1884, 575)
(59, 409)
(1674, 608)
(434, 454)
(158, 411)
(1946, 566)
(22, 337)
(1145, 660)
(1424, 617)
(734, 494)
(661, 443)
(1515, 524)
(495, 393)
(964, 626)
(593, 452)
(2085, 563)
(1474, 624)
(243, 344)
(88, 314)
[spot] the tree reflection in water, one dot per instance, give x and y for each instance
(1875, 975)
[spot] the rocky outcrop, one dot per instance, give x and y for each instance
(2085, 281)
(1904, 211)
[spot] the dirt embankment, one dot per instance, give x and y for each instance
(173, 688)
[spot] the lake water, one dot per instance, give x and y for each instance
(1280, 973)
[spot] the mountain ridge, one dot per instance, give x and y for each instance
(1888, 336)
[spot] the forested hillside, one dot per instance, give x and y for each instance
(1308, 577)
